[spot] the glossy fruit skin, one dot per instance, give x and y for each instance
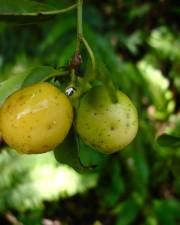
(106, 126)
(36, 119)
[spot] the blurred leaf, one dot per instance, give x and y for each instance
(174, 73)
(131, 42)
(151, 220)
(33, 218)
(9, 86)
(175, 166)
(139, 11)
(161, 40)
(177, 186)
(169, 141)
(130, 74)
(157, 86)
(116, 187)
(68, 52)
(67, 153)
(117, 183)
(139, 46)
(141, 167)
(41, 73)
(126, 211)
(58, 29)
(104, 51)
(45, 180)
(165, 213)
(173, 206)
(104, 75)
(26, 11)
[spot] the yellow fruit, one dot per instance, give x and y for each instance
(36, 119)
(104, 125)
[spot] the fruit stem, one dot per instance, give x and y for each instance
(79, 25)
(80, 36)
(91, 54)
(73, 79)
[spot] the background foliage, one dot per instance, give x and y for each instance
(139, 41)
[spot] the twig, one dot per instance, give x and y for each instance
(12, 219)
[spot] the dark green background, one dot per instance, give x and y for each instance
(139, 41)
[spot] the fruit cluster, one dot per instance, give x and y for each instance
(37, 118)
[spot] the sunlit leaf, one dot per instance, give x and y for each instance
(161, 40)
(11, 85)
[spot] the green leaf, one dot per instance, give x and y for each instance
(103, 74)
(9, 86)
(169, 141)
(89, 156)
(175, 165)
(127, 212)
(68, 52)
(40, 74)
(27, 11)
(57, 30)
(139, 11)
(164, 215)
(176, 186)
(67, 153)
(105, 52)
(173, 205)
(141, 167)
(115, 189)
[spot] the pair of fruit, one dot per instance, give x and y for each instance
(37, 118)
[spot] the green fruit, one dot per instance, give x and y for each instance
(36, 119)
(104, 125)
